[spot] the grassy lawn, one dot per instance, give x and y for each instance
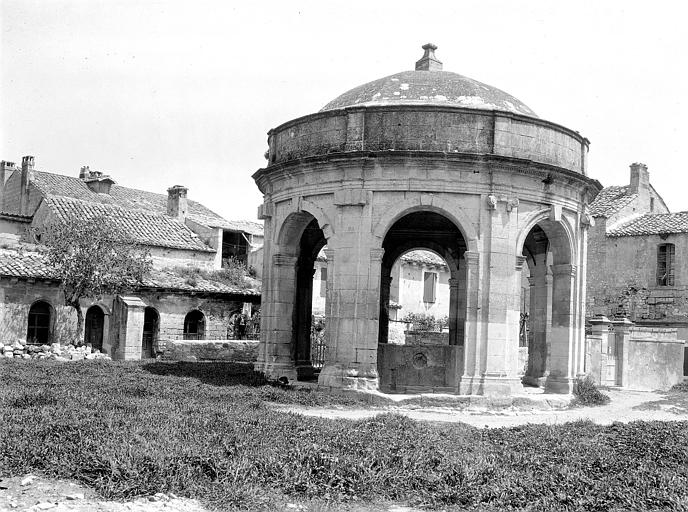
(203, 431)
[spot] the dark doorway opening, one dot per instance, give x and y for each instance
(39, 325)
(95, 319)
(151, 321)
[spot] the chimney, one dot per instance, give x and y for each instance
(428, 61)
(176, 202)
(85, 172)
(6, 170)
(640, 181)
(95, 180)
(26, 177)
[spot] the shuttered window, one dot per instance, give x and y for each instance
(665, 265)
(323, 281)
(429, 286)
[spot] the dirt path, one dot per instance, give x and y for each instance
(624, 406)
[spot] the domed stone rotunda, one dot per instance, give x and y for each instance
(430, 160)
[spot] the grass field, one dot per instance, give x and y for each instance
(204, 431)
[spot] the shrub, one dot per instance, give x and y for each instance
(233, 273)
(587, 394)
(681, 387)
(424, 323)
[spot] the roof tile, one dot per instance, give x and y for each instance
(610, 200)
(653, 224)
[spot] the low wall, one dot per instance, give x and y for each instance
(418, 368)
(243, 351)
(634, 357)
(426, 338)
(655, 358)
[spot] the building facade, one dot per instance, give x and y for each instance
(183, 297)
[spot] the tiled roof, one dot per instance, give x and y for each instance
(25, 264)
(610, 200)
(29, 264)
(168, 278)
(145, 227)
(247, 226)
(68, 186)
(423, 258)
(653, 224)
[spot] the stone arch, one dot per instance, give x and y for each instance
(294, 223)
(559, 230)
(94, 328)
(194, 325)
(430, 203)
(39, 329)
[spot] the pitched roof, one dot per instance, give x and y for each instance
(68, 186)
(247, 226)
(145, 227)
(31, 264)
(653, 224)
(424, 258)
(24, 264)
(610, 200)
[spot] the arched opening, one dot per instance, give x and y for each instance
(95, 321)
(311, 243)
(547, 284)
(39, 329)
(424, 362)
(151, 327)
(194, 325)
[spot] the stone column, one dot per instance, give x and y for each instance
(561, 377)
(622, 332)
(473, 326)
(596, 348)
(500, 358)
(540, 317)
(276, 356)
(355, 303)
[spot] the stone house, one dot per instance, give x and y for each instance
(182, 298)
(638, 269)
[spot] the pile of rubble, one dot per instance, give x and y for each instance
(21, 350)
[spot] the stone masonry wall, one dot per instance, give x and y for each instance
(622, 279)
(241, 351)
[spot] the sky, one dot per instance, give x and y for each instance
(159, 93)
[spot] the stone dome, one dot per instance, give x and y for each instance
(429, 85)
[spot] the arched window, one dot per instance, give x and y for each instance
(665, 264)
(38, 332)
(194, 326)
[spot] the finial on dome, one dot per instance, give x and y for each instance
(428, 61)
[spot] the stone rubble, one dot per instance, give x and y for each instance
(21, 350)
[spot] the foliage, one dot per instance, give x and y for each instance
(204, 432)
(587, 394)
(93, 257)
(681, 387)
(425, 323)
(234, 273)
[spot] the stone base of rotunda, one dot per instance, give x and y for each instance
(491, 385)
(563, 385)
(278, 371)
(344, 377)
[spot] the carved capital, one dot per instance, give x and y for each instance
(266, 210)
(520, 260)
(283, 260)
(564, 269)
(376, 255)
(492, 202)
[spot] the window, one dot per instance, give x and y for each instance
(429, 286)
(665, 265)
(652, 204)
(194, 326)
(323, 281)
(38, 332)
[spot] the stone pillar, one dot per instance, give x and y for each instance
(561, 377)
(622, 332)
(473, 326)
(540, 318)
(276, 359)
(596, 348)
(129, 329)
(500, 357)
(355, 307)
(329, 316)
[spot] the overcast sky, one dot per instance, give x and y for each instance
(158, 93)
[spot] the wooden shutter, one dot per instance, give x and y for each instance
(429, 286)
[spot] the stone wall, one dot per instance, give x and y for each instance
(409, 369)
(244, 351)
(447, 130)
(622, 279)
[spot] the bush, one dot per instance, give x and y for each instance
(426, 323)
(587, 394)
(681, 387)
(233, 273)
